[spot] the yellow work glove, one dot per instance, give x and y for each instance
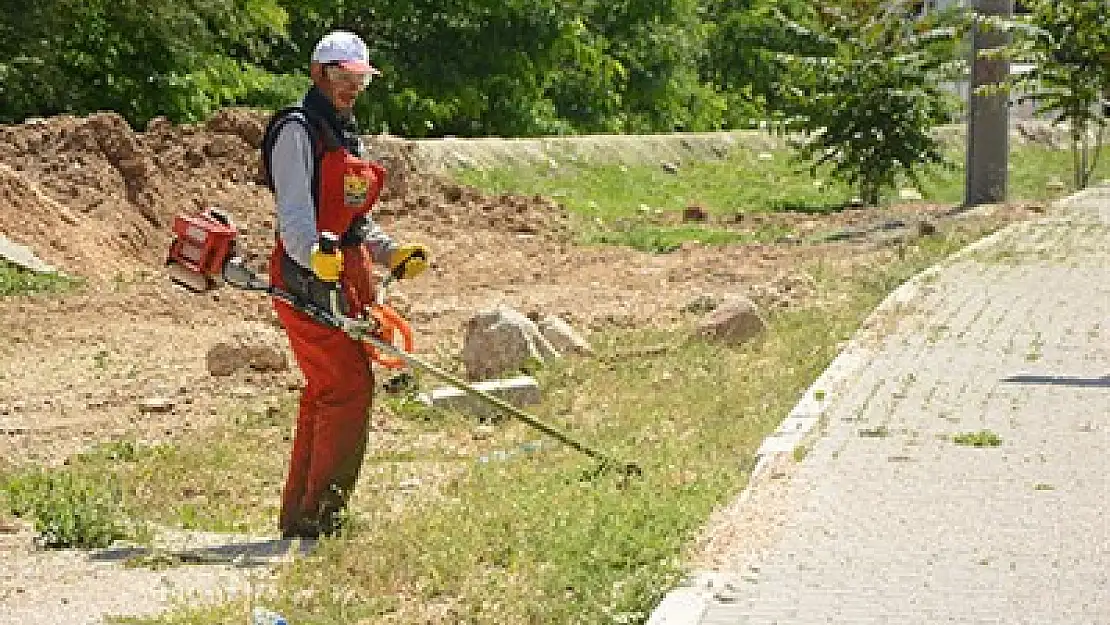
(409, 261)
(326, 265)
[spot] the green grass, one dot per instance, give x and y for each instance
(1031, 170)
(120, 489)
(15, 280)
(666, 239)
(529, 536)
(640, 206)
(68, 509)
(740, 183)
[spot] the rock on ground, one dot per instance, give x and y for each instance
(563, 337)
(501, 340)
(735, 321)
(257, 351)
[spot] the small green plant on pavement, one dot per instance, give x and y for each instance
(869, 89)
(982, 438)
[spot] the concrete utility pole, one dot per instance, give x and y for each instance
(988, 123)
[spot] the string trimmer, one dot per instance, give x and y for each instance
(204, 255)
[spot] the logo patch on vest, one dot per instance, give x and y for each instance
(355, 190)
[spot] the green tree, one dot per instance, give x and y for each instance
(659, 46)
(465, 67)
(522, 67)
(866, 95)
(743, 52)
(140, 59)
(1069, 49)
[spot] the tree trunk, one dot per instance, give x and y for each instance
(870, 192)
(1078, 154)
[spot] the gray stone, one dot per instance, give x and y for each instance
(563, 337)
(910, 195)
(735, 321)
(502, 340)
(156, 405)
(481, 433)
(519, 391)
(257, 351)
(22, 256)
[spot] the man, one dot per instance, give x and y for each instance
(312, 157)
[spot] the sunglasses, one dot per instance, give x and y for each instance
(337, 74)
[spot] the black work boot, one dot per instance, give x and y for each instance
(303, 528)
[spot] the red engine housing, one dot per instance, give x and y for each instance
(202, 244)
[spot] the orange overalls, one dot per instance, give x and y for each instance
(332, 423)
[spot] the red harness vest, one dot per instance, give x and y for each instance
(344, 187)
(348, 188)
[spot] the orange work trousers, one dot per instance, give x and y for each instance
(332, 424)
(333, 419)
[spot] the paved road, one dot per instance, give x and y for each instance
(892, 521)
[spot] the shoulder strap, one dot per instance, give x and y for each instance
(322, 137)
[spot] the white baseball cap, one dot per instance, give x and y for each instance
(346, 49)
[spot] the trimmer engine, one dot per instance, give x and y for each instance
(202, 245)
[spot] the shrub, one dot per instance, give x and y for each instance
(68, 510)
(1068, 46)
(867, 95)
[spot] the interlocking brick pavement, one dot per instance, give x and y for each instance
(892, 521)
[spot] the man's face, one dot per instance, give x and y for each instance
(341, 86)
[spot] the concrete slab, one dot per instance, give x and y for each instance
(22, 256)
(519, 391)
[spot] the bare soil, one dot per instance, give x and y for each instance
(95, 198)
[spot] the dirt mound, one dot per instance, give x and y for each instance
(60, 234)
(95, 197)
(439, 204)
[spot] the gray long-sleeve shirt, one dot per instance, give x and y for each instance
(291, 162)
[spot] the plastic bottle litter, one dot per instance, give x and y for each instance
(262, 616)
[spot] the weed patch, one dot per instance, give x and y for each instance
(983, 438)
(881, 431)
(15, 280)
(68, 509)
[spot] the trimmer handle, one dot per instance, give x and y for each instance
(329, 243)
(327, 258)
